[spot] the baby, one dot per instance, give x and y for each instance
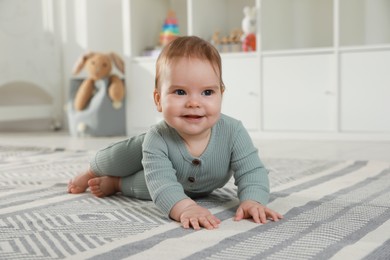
(192, 152)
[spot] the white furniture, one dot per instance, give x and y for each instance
(320, 69)
(30, 76)
(30, 69)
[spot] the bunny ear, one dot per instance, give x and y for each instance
(79, 65)
(119, 63)
(253, 10)
(247, 10)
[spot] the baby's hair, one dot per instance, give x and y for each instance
(188, 47)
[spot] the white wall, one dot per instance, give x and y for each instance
(40, 40)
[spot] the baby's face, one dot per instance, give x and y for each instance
(190, 96)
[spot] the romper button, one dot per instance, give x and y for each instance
(191, 179)
(195, 162)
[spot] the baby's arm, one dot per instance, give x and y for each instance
(258, 212)
(189, 213)
(251, 178)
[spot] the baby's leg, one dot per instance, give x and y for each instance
(79, 184)
(135, 186)
(118, 161)
(104, 186)
(132, 186)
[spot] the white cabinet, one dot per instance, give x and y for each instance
(324, 67)
(365, 91)
(141, 110)
(319, 68)
(298, 93)
(241, 98)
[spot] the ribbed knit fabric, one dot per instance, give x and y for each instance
(172, 174)
(119, 159)
(169, 173)
(123, 159)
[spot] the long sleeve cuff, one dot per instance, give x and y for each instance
(165, 201)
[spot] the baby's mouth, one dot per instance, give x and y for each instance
(193, 116)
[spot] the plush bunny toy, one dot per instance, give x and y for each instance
(249, 28)
(98, 66)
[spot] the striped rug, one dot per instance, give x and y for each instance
(332, 209)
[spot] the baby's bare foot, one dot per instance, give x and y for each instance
(104, 186)
(79, 184)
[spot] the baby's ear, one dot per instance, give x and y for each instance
(157, 100)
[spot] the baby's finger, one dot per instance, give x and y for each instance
(206, 223)
(274, 215)
(217, 220)
(254, 213)
(194, 223)
(214, 221)
(239, 214)
(185, 223)
(263, 215)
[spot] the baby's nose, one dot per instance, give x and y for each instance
(193, 102)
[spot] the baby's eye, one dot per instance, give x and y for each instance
(180, 92)
(208, 92)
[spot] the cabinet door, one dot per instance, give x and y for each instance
(365, 91)
(298, 93)
(141, 111)
(241, 99)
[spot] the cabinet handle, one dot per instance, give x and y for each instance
(329, 93)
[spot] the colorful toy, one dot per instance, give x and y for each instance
(170, 29)
(227, 43)
(98, 66)
(249, 29)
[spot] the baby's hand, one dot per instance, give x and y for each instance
(190, 214)
(259, 213)
(197, 216)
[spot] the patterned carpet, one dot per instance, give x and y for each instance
(338, 210)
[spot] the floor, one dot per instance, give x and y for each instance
(304, 149)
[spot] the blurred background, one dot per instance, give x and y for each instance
(319, 69)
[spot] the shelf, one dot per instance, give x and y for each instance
(145, 29)
(144, 59)
(239, 55)
(296, 24)
(226, 55)
(293, 52)
(310, 51)
(313, 59)
(365, 48)
(201, 17)
(364, 22)
(217, 15)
